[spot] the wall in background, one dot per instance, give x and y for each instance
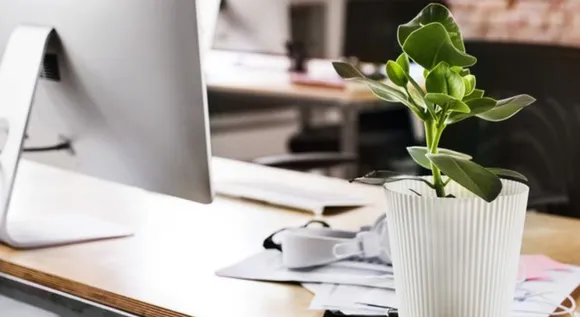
(544, 21)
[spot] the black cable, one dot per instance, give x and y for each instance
(65, 145)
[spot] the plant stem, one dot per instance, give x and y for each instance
(433, 132)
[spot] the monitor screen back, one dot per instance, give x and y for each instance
(131, 96)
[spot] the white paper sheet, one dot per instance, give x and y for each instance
(267, 266)
(358, 300)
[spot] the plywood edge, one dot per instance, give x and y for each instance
(86, 292)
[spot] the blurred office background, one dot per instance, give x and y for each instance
(262, 112)
(523, 46)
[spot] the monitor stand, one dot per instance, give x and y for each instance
(19, 72)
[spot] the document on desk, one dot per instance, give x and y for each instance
(267, 266)
(315, 201)
(535, 298)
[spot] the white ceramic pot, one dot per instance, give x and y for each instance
(455, 257)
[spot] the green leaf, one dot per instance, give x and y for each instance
(477, 106)
(477, 93)
(442, 80)
(383, 177)
(417, 98)
(433, 13)
(508, 174)
(425, 73)
(460, 70)
(381, 90)
(397, 74)
(469, 82)
(430, 45)
(507, 108)
(474, 177)
(346, 70)
(448, 103)
(456, 69)
(419, 155)
(403, 61)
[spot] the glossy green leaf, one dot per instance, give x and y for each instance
(469, 82)
(461, 71)
(477, 93)
(477, 106)
(381, 90)
(456, 69)
(346, 70)
(430, 45)
(425, 73)
(433, 13)
(419, 155)
(508, 174)
(474, 177)
(417, 98)
(397, 74)
(448, 103)
(507, 108)
(403, 61)
(380, 178)
(444, 81)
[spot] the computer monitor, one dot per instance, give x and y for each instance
(258, 26)
(122, 81)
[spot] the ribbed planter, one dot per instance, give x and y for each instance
(455, 257)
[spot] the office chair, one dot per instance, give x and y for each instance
(542, 141)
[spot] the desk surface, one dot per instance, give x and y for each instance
(167, 268)
(251, 73)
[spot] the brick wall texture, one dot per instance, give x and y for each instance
(545, 21)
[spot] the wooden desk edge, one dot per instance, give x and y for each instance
(87, 292)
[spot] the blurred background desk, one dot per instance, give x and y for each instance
(250, 81)
(360, 125)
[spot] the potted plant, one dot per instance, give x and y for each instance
(455, 235)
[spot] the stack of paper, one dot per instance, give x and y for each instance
(363, 287)
(539, 296)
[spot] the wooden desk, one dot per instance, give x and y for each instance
(243, 75)
(167, 268)
(263, 74)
